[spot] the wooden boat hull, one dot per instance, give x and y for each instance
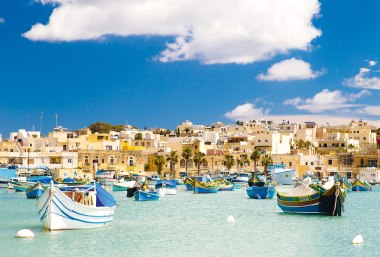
(264, 192)
(344, 184)
(226, 187)
(35, 192)
(358, 185)
(327, 203)
(58, 212)
(202, 188)
(146, 196)
(189, 183)
(283, 177)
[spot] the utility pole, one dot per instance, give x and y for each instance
(56, 120)
(41, 117)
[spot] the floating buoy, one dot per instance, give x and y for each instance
(25, 233)
(231, 219)
(358, 240)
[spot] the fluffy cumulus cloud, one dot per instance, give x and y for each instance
(327, 100)
(212, 31)
(291, 69)
(246, 111)
(372, 63)
(364, 80)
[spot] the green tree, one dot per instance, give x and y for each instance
(186, 154)
(198, 159)
(138, 136)
(100, 127)
(255, 157)
(266, 161)
(172, 158)
(228, 161)
(159, 161)
(243, 160)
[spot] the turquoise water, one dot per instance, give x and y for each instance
(196, 225)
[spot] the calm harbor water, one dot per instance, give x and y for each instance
(196, 225)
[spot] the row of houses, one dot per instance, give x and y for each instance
(306, 147)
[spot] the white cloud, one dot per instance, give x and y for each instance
(291, 69)
(372, 63)
(212, 31)
(362, 80)
(327, 100)
(246, 112)
(2, 20)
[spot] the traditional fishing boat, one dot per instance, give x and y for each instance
(360, 185)
(123, 186)
(18, 187)
(313, 199)
(143, 195)
(73, 182)
(260, 187)
(224, 185)
(344, 184)
(35, 191)
(79, 207)
(166, 187)
(189, 183)
(280, 175)
(205, 187)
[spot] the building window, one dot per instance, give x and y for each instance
(86, 159)
(108, 147)
(364, 138)
(112, 160)
(330, 162)
(69, 161)
(305, 163)
(290, 164)
(311, 163)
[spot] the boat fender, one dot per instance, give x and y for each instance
(231, 219)
(25, 233)
(358, 240)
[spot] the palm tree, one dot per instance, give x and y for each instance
(228, 161)
(186, 154)
(199, 158)
(243, 160)
(265, 161)
(255, 157)
(138, 136)
(173, 158)
(159, 161)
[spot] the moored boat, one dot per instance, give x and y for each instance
(241, 178)
(166, 187)
(260, 187)
(224, 185)
(123, 186)
(280, 175)
(143, 195)
(35, 191)
(344, 184)
(18, 187)
(205, 187)
(308, 198)
(360, 185)
(76, 207)
(189, 183)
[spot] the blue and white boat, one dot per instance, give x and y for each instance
(264, 192)
(35, 191)
(360, 185)
(142, 195)
(166, 187)
(280, 175)
(260, 187)
(76, 207)
(241, 178)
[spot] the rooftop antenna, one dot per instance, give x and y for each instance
(41, 118)
(56, 120)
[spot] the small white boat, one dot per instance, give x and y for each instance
(241, 178)
(76, 207)
(15, 180)
(281, 175)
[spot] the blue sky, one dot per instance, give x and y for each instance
(120, 62)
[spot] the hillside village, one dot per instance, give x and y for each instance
(350, 149)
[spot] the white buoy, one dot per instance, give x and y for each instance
(25, 233)
(358, 240)
(231, 219)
